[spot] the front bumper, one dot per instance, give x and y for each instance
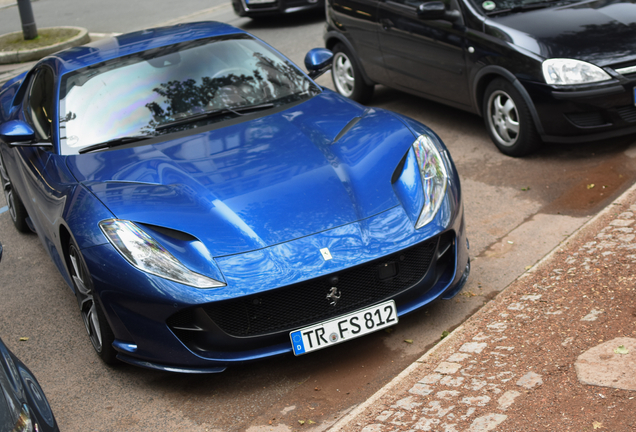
(277, 7)
(163, 325)
(584, 113)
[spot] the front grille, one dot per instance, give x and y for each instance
(294, 306)
(627, 113)
(587, 119)
(229, 324)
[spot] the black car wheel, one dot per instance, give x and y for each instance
(17, 211)
(508, 119)
(99, 331)
(347, 77)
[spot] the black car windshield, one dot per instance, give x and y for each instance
(498, 7)
(173, 88)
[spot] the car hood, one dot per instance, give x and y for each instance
(599, 32)
(258, 183)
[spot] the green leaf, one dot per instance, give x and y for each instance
(621, 350)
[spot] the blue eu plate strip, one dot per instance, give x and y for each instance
(297, 340)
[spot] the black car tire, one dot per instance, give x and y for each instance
(237, 5)
(508, 119)
(347, 77)
(97, 327)
(17, 211)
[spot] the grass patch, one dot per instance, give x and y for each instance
(46, 37)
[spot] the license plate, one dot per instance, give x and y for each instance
(344, 328)
(259, 1)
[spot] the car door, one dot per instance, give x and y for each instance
(38, 173)
(358, 20)
(425, 57)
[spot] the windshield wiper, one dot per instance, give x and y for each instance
(241, 110)
(114, 143)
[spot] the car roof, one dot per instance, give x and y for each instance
(130, 43)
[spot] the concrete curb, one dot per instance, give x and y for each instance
(458, 333)
(9, 57)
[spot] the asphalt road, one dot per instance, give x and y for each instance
(517, 210)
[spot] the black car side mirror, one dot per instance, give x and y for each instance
(318, 61)
(436, 10)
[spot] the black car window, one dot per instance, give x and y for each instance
(175, 88)
(39, 103)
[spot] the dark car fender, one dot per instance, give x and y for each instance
(486, 74)
(332, 37)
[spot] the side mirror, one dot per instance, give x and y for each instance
(318, 61)
(16, 131)
(436, 10)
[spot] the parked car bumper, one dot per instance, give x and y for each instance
(276, 7)
(583, 113)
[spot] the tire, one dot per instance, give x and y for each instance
(97, 327)
(347, 76)
(17, 211)
(508, 120)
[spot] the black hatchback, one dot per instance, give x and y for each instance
(537, 71)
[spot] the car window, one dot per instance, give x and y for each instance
(142, 93)
(39, 103)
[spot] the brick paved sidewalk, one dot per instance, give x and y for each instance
(543, 355)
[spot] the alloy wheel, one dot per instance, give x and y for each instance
(343, 74)
(504, 118)
(87, 304)
(8, 192)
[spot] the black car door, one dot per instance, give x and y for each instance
(358, 20)
(425, 57)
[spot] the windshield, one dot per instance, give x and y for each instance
(144, 94)
(497, 7)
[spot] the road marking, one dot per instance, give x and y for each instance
(4, 209)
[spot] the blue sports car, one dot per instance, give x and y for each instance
(209, 204)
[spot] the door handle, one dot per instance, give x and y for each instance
(386, 23)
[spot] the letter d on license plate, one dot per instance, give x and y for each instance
(344, 328)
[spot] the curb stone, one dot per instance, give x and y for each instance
(9, 57)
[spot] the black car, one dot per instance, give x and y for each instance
(23, 406)
(261, 8)
(551, 71)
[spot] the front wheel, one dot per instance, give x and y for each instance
(508, 119)
(17, 211)
(97, 327)
(347, 76)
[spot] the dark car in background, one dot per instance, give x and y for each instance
(261, 8)
(23, 406)
(537, 71)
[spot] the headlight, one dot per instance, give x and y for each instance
(143, 252)
(568, 72)
(434, 178)
(24, 423)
